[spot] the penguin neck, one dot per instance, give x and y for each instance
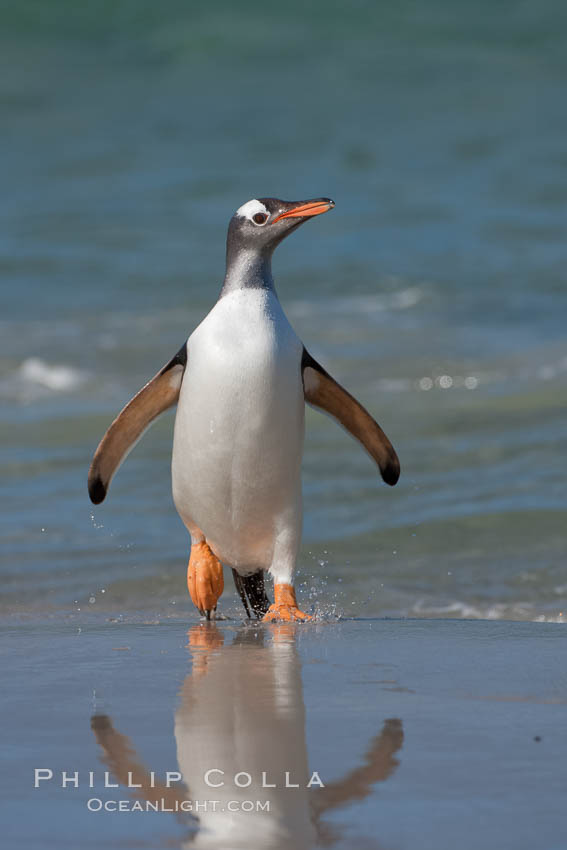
(247, 269)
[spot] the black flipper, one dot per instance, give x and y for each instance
(252, 593)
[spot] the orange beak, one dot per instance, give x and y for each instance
(307, 209)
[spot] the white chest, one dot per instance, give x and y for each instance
(239, 427)
(243, 360)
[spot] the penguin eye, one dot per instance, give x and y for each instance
(260, 218)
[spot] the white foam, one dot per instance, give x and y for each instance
(55, 378)
(496, 611)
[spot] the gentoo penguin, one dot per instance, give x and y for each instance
(241, 382)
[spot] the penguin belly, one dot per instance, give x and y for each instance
(238, 439)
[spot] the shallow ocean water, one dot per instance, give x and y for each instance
(435, 291)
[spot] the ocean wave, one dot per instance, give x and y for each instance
(443, 382)
(495, 611)
(404, 299)
(547, 371)
(35, 378)
(57, 378)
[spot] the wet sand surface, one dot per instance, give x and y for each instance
(424, 733)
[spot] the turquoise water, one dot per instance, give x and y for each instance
(435, 291)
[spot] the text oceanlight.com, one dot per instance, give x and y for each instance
(95, 804)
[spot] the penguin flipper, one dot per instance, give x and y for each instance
(323, 392)
(154, 398)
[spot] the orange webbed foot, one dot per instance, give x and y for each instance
(284, 609)
(205, 578)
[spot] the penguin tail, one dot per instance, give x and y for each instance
(252, 593)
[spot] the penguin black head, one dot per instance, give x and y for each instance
(262, 223)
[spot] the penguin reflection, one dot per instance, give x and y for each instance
(241, 712)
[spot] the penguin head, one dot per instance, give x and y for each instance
(262, 223)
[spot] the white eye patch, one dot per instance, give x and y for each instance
(251, 208)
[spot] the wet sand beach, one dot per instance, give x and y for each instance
(424, 734)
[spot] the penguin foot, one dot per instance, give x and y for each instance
(284, 609)
(205, 579)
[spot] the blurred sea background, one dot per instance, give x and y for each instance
(435, 291)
